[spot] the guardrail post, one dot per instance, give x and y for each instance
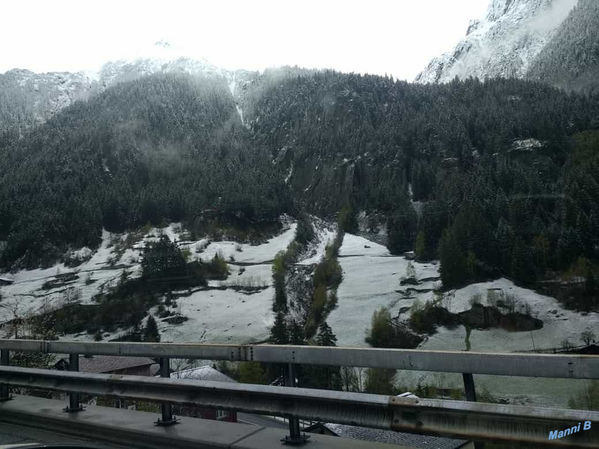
(74, 404)
(4, 360)
(167, 418)
(295, 436)
(471, 397)
(469, 387)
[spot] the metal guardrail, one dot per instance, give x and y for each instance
(501, 364)
(490, 422)
(450, 418)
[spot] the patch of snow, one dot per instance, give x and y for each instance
(222, 316)
(246, 253)
(354, 245)
(215, 315)
(558, 323)
(289, 174)
(371, 281)
(325, 235)
(205, 372)
(526, 145)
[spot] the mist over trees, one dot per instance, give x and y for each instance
(161, 147)
(571, 59)
(498, 177)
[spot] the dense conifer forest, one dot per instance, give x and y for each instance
(496, 177)
(161, 147)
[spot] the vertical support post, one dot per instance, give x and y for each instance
(167, 418)
(74, 404)
(469, 387)
(295, 436)
(4, 360)
(471, 397)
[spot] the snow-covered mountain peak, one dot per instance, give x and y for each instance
(161, 57)
(30, 98)
(504, 43)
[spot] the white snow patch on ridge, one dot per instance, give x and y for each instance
(503, 44)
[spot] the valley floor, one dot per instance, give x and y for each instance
(239, 309)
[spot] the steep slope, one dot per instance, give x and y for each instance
(342, 139)
(571, 58)
(476, 156)
(28, 98)
(164, 146)
(504, 44)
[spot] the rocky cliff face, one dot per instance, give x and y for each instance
(504, 43)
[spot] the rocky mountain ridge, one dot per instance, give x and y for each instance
(28, 98)
(503, 44)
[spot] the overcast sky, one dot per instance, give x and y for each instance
(396, 37)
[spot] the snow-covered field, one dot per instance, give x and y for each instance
(239, 313)
(371, 279)
(222, 316)
(239, 309)
(26, 296)
(242, 252)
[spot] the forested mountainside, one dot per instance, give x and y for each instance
(161, 146)
(355, 139)
(571, 58)
(496, 177)
(28, 99)
(506, 168)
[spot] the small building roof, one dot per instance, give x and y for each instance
(109, 363)
(205, 372)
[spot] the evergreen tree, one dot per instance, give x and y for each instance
(347, 220)
(504, 236)
(522, 266)
(453, 262)
(151, 333)
(590, 285)
(278, 276)
(325, 336)
(162, 259)
(420, 250)
(278, 333)
(401, 229)
(296, 334)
